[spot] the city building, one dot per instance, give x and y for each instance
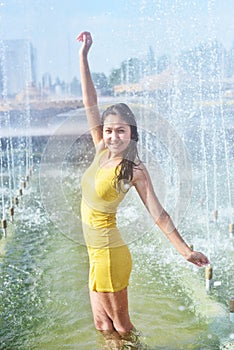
(17, 66)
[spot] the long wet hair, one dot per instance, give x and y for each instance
(124, 170)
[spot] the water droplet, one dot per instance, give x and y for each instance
(181, 308)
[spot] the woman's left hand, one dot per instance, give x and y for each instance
(198, 259)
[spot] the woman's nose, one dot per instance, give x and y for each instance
(114, 135)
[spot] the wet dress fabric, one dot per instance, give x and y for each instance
(109, 257)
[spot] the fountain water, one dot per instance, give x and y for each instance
(186, 137)
(16, 152)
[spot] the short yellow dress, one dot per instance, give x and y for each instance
(109, 256)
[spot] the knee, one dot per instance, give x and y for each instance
(103, 324)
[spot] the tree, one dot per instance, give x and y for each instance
(130, 70)
(115, 77)
(100, 80)
(101, 83)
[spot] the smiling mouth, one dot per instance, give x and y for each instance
(115, 145)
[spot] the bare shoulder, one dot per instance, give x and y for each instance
(139, 173)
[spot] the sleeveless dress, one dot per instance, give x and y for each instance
(109, 257)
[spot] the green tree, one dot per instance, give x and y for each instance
(115, 77)
(100, 80)
(130, 70)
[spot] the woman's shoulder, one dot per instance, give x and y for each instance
(139, 171)
(139, 166)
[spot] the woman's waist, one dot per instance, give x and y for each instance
(96, 218)
(102, 237)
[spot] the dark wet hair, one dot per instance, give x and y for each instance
(124, 171)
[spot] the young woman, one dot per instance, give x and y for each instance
(115, 169)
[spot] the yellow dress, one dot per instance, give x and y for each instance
(109, 256)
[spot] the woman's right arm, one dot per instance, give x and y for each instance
(88, 90)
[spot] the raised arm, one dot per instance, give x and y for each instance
(88, 90)
(144, 187)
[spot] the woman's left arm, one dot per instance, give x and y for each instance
(144, 187)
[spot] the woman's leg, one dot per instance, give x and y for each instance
(111, 318)
(110, 311)
(102, 321)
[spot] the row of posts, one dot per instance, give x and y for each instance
(23, 185)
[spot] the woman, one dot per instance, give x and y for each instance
(115, 169)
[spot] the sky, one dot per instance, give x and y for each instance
(121, 29)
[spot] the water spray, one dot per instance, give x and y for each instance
(201, 202)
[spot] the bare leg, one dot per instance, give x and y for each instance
(102, 321)
(116, 307)
(111, 317)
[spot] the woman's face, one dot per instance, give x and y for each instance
(116, 134)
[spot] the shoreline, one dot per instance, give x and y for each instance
(37, 114)
(40, 104)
